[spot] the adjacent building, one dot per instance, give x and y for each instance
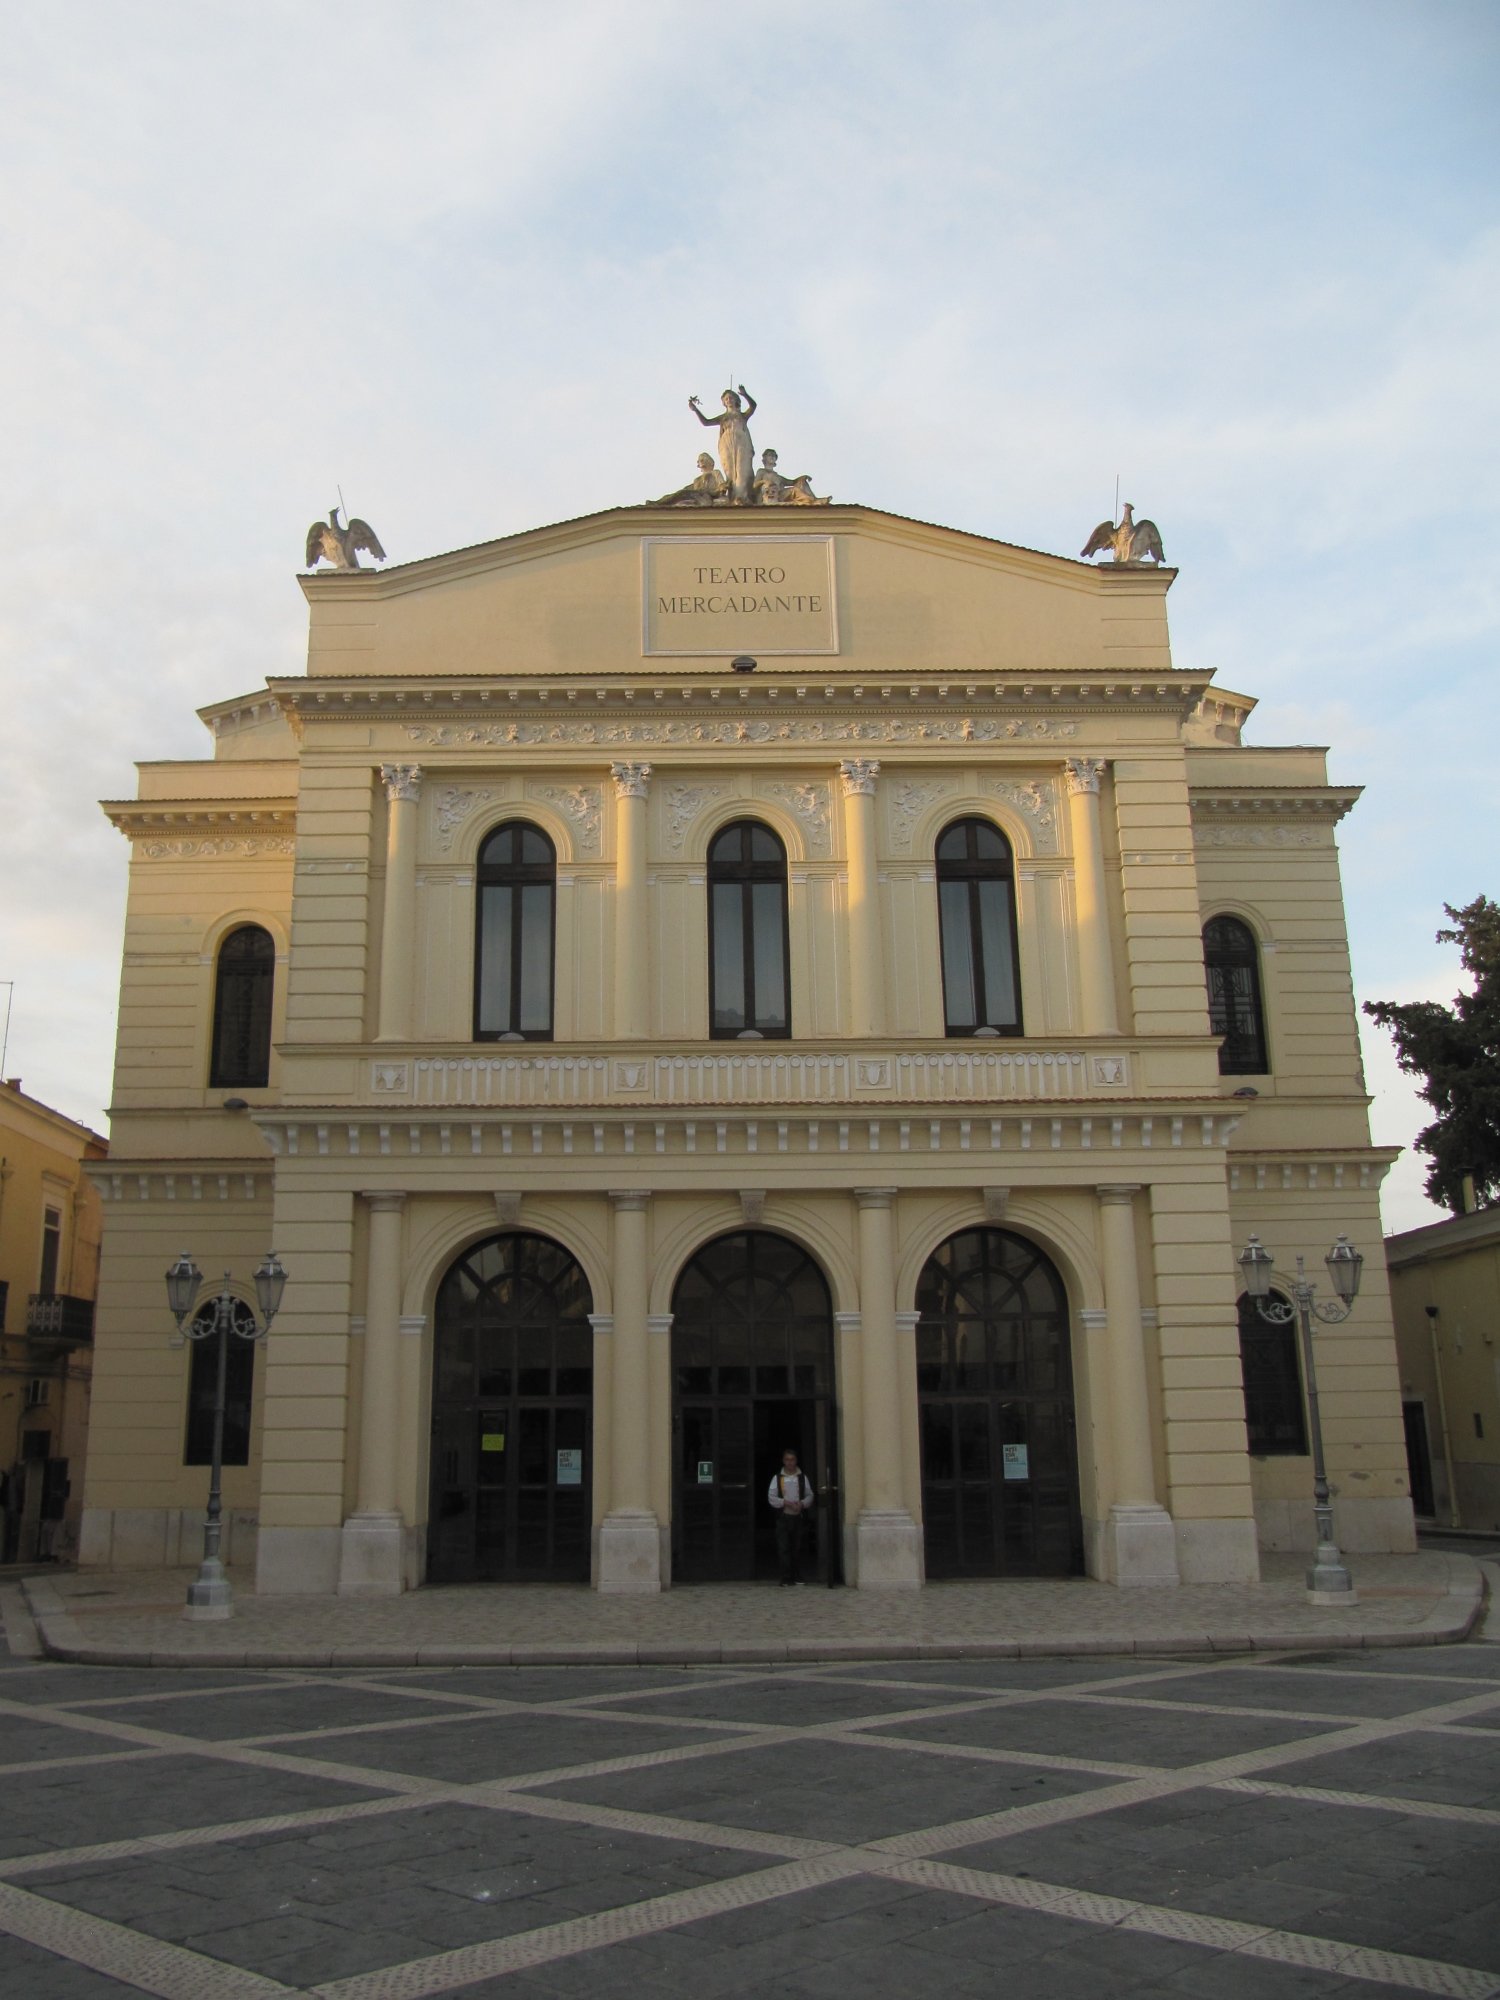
(1445, 1296)
(49, 1265)
(696, 980)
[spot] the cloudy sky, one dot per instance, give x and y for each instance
(974, 260)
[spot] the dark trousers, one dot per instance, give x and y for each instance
(789, 1545)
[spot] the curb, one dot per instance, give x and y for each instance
(1453, 1619)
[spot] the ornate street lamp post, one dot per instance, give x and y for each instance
(1328, 1580)
(209, 1594)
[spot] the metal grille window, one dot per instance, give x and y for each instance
(1275, 1420)
(203, 1380)
(977, 919)
(242, 1010)
(514, 925)
(749, 983)
(1231, 962)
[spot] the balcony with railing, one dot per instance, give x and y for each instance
(56, 1323)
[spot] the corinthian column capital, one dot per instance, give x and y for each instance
(1083, 773)
(401, 781)
(632, 781)
(859, 775)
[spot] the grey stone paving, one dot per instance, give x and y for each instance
(1286, 1826)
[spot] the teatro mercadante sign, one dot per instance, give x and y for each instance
(760, 596)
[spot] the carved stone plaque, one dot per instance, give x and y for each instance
(716, 594)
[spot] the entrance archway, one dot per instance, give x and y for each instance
(995, 1389)
(752, 1373)
(512, 1405)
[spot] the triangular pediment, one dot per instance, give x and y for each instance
(842, 589)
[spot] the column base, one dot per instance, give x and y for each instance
(630, 1555)
(1140, 1546)
(372, 1556)
(888, 1550)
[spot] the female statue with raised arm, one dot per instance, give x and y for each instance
(736, 453)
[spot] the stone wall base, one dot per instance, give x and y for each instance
(1140, 1547)
(297, 1562)
(1218, 1552)
(372, 1556)
(1360, 1527)
(160, 1537)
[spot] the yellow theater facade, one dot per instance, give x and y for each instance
(687, 982)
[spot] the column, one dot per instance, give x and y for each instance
(865, 982)
(887, 1540)
(1140, 1543)
(632, 995)
(629, 1536)
(403, 788)
(1096, 977)
(371, 1549)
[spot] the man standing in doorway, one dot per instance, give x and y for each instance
(791, 1496)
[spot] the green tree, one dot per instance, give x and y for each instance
(1457, 1049)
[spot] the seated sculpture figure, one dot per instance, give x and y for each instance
(709, 489)
(774, 489)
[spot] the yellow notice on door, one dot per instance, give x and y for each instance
(492, 1441)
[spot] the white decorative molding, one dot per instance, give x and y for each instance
(807, 803)
(996, 1202)
(909, 799)
(682, 804)
(217, 850)
(390, 1078)
(1083, 773)
(581, 805)
(859, 775)
(402, 782)
(1111, 1071)
(752, 1207)
(507, 1207)
(1034, 802)
(454, 804)
(725, 730)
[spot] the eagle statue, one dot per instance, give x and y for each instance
(328, 541)
(1131, 542)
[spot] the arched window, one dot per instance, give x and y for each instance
(242, 1009)
(749, 990)
(977, 917)
(1231, 963)
(514, 909)
(203, 1384)
(1275, 1423)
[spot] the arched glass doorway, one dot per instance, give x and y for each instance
(512, 1403)
(995, 1388)
(752, 1373)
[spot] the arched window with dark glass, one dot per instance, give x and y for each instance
(977, 918)
(1275, 1422)
(1231, 964)
(749, 990)
(514, 920)
(243, 983)
(203, 1383)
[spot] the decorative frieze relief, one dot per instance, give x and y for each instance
(1261, 836)
(581, 805)
(681, 805)
(1035, 803)
(218, 850)
(453, 804)
(713, 730)
(909, 800)
(807, 804)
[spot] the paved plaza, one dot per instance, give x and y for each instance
(1274, 1823)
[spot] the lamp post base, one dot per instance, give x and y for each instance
(1328, 1582)
(209, 1594)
